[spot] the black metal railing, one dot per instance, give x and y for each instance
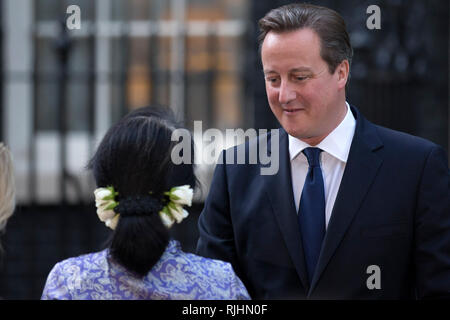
(40, 234)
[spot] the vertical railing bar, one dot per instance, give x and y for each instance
(157, 76)
(212, 48)
(33, 152)
(32, 148)
(448, 79)
(184, 75)
(2, 73)
(92, 80)
(63, 48)
(150, 52)
(124, 64)
(177, 68)
(91, 83)
(247, 99)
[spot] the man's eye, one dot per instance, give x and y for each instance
(272, 80)
(301, 78)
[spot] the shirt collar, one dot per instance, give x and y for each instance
(337, 143)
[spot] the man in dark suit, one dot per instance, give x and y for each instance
(355, 211)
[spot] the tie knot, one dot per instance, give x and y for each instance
(312, 154)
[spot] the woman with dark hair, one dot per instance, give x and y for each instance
(141, 194)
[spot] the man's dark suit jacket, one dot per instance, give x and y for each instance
(392, 210)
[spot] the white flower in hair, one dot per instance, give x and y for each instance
(101, 193)
(172, 212)
(112, 223)
(185, 214)
(177, 212)
(105, 203)
(166, 217)
(181, 195)
(105, 215)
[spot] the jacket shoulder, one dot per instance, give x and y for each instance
(402, 141)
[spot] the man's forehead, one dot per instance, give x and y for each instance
(301, 44)
(301, 34)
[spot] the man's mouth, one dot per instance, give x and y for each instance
(292, 110)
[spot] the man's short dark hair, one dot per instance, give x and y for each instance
(328, 24)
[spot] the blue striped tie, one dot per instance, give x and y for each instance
(312, 211)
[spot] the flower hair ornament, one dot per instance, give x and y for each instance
(175, 199)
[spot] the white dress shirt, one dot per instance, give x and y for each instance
(333, 158)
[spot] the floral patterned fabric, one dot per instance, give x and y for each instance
(177, 275)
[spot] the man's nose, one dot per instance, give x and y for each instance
(286, 93)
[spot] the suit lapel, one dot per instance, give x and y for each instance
(279, 191)
(360, 171)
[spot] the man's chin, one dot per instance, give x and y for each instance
(305, 137)
(296, 133)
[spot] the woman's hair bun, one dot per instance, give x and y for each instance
(138, 206)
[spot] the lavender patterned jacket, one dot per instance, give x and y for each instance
(177, 275)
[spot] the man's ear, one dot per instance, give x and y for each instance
(343, 70)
